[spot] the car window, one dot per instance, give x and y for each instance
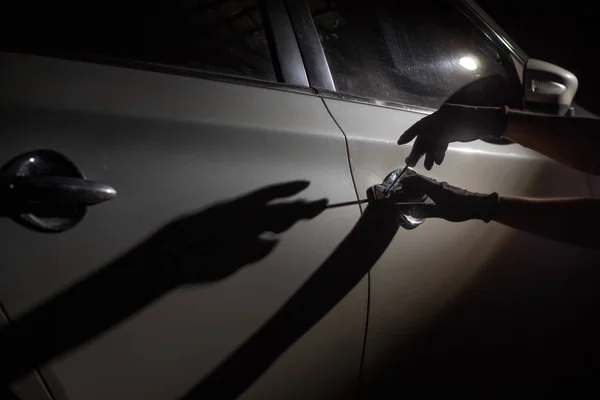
(417, 52)
(223, 36)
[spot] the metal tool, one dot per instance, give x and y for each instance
(347, 203)
(380, 194)
(391, 187)
(351, 203)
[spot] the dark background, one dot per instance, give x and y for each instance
(563, 33)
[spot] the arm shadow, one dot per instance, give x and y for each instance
(194, 249)
(343, 269)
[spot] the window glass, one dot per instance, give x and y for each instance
(417, 52)
(223, 36)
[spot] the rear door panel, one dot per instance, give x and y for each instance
(444, 292)
(514, 277)
(172, 145)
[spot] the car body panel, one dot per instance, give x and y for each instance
(426, 269)
(171, 145)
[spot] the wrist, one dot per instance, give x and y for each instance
(488, 206)
(487, 121)
(496, 119)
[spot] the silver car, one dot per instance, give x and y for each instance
(184, 105)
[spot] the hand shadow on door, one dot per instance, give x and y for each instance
(194, 249)
(343, 269)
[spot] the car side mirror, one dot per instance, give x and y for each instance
(548, 88)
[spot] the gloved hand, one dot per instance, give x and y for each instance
(451, 203)
(451, 123)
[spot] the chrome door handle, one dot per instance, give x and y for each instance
(46, 189)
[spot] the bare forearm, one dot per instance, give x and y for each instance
(570, 220)
(571, 141)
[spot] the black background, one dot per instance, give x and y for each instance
(563, 33)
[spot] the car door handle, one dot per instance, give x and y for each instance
(47, 190)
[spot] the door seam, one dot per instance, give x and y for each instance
(364, 344)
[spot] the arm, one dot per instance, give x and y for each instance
(190, 250)
(571, 141)
(569, 220)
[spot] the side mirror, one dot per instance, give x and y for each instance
(548, 88)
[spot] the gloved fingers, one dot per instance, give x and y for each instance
(429, 158)
(439, 157)
(415, 155)
(423, 145)
(266, 194)
(420, 211)
(416, 186)
(425, 211)
(419, 131)
(411, 132)
(440, 154)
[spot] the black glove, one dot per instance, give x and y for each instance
(451, 123)
(451, 203)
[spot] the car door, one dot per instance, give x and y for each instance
(177, 107)
(446, 292)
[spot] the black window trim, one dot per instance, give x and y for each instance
(315, 62)
(328, 94)
(317, 66)
(286, 57)
(286, 52)
(172, 70)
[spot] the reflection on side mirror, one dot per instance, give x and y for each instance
(548, 88)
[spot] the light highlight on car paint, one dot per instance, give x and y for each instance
(469, 63)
